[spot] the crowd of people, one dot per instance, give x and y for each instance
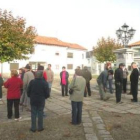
(120, 75)
(29, 89)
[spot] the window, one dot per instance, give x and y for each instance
(82, 56)
(87, 54)
(14, 66)
(88, 61)
(34, 65)
(120, 55)
(69, 66)
(69, 55)
(57, 53)
(137, 54)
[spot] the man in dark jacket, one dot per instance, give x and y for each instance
(87, 75)
(102, 83)
(134, 77)
(38, 91)
(40, 67)
(118, 76)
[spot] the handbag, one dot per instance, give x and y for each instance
(72, 90)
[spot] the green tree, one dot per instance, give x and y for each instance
(16, 40)
(103, 51)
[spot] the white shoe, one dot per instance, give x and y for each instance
(17, 119)
(20, 118)
(0, 99)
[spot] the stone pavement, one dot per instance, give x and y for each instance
(93, 124)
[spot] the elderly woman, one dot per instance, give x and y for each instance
(13, 85)
(38, 91)
(78, 85)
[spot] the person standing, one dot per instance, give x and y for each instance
(28, 76)
(119, 82)
(21, 73)
(110, 79)
(40, 67)
(134, 77)
(78, 67)
(64, 75)
(14, 85)
(125, 74)
(78, 85)
(102, 83)
(87, 75)
(37, 91)
(50, 77)
(1, 84)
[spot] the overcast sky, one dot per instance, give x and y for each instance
(77, 21)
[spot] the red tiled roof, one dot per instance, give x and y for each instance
(54, 41)
(135, 44)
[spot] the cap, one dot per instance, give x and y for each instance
(121, 64)
(27, 67)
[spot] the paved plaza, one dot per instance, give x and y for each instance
(93, 125)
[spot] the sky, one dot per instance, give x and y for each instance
(83, 22)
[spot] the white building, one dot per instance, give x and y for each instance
(48, 50)
(136, 46)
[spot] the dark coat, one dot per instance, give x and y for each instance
(67, 76)
(134, 77)
(118, 76)
(1, 83)
(102, 78)
(38, 91)
(22, 75)
(87, 75)
(110, 72)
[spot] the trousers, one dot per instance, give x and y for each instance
(76, 112)
(118, 87)
(10, 103)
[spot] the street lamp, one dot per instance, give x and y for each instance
(125, 35)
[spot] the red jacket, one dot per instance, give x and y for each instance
(45, 75)
(13, 85)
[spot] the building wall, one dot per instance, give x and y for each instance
(54, 55)
(137, 55)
